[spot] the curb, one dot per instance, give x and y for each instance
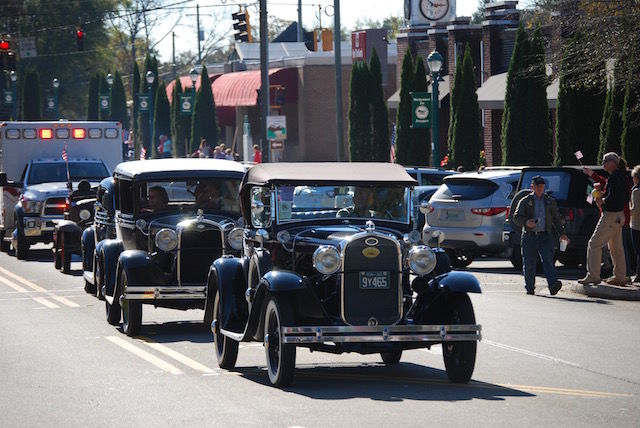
(631, 292)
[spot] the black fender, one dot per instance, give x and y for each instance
(228, 275)
(137, 265)
(281, 281)
(68, 226)
(109, 253)
(459, 282)
(88, 245)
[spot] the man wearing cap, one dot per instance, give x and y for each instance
(537, 214)
(609, 227)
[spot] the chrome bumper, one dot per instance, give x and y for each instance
(165, 292)
(35, 226)
(396, 333)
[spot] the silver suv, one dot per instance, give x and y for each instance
(471, 209)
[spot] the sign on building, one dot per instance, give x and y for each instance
(277, 128)
(358, 46)
(186, 104)
(421, 110)
(27, 46)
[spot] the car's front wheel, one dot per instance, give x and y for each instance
(460, 357)
(113, 310)
(131, 317)
(65, 256)
(226, 348)
(21, 247)
(281, 357)
(392, 357)
(459, 259)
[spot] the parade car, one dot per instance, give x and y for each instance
(173, 218)
(349, 274)
(93, 237)
(78, 215)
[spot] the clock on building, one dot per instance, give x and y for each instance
(434, 10)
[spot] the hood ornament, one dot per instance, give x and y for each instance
(369, 226)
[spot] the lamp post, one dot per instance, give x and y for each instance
(150, 77)
(14, 77)
(435, 61)
(193, 75)
(56, 85)
(110, 83)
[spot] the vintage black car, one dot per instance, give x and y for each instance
(173, 218)
(330, 250)
(93, 237)
(67, 234)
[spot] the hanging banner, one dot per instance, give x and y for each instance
(104, 102)
(143, 102)
(50, 102)
(421, 110)
(186, 104)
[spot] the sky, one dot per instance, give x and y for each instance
(216, 15)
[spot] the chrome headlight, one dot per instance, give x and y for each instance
(166, 239)
(326, 259)
(84, 215)
(32, 206)
(422, 260)
(235, 238)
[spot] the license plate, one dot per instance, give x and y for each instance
(374, 280)
(452, 215)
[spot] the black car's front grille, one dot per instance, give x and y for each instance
(378, 260)
(198, 249)
(55, 206)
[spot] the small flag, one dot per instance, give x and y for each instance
(64, 154)
(589, 198)
(444, 161)
(392, 153)
(143, 153)
(578, 155)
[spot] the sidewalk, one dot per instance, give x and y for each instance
(603, 290)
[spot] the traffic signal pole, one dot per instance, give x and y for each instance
(198, 27)
(338, 61)
(264, 77)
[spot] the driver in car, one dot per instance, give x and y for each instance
(158, 199)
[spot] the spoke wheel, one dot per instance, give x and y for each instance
(131, 312)
(226, 348)
(392, 357)
(281, 357)
(460, 357)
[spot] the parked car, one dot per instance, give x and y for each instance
(429, 179)
(471, 208)
(338, 279)
(173, 218)
(571, 188)
(93, 237)
(67, 234)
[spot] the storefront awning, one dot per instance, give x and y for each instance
(492, 93)
(241, 88)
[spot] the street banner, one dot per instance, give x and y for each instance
(421, 110)
(277, 128)
(143, 102)
(50, 102)
(104, 102)
(186, 104)
(7, 97)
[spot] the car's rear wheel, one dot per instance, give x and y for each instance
(5, 246)
(113, 310)
(65, 256)
(226, 348)
(57, 260)
(281, 357)
(459, 259)
(460, 357)
(131, 311)
(392, 357)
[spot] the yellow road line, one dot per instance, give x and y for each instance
(22, 280)
(64, 301)
(34, 287)
(46, 303)
(161, 364)
(13, 285)
(565, 391)
(177, 356)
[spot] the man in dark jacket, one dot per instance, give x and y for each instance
(537, 214)
(609, 227)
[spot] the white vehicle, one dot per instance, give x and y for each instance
(34, 176)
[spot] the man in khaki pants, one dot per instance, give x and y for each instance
(609, 227)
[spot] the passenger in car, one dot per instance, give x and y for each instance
(158, 199)
(363, 202)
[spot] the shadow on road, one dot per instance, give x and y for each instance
(177, 331)
(40, 255)
(405, 381)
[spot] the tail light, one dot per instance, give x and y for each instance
(569, 215)
(489, 211)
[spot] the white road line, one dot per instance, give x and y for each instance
(13, 285)
(178, 356)
(45, 302)
(64, 301)
(35, 287)
(22, 280)
(530, 353)
(161, 364)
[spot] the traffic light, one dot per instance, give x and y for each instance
(242, 26)
(7, 56)
(80, 39)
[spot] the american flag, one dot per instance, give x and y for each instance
(64, 154)
(143, 153)
(392, 152)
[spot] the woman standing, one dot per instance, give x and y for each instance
(634, 210)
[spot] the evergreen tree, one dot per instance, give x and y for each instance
(93, 112)
(204, 121)
(162, 119)
(515, 104)
(630, 140)
(379, 115)
(466, 143)
(179, 122)
(359, 114)
(453, 100)
(538, 145)
(420, 137)
(31, 102)
(144, 127)
(103, 89)
(119, 102)
(403, 120)
(611, 125)
(135, 90)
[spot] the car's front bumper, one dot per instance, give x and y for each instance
(37, 226)
(198, 292)
(396, 333)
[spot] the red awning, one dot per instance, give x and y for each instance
(185, 82)
(240, 88)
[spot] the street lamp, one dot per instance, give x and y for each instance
(14, 77)
(193, 75)
(435, 61)
(56, 85)
(110, 83)
(150, 77)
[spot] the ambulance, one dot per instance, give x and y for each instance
(38, 163)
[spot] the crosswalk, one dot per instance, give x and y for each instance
(44, 297)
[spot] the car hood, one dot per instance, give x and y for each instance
(332, 235)
(171, 220)
(50, 190)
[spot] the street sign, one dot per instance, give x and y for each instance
(27, 46)
(186, 104)
(50, 103)
(7, 97)
(143, 102)
(104, 102)
(277, 145)
(277, 128)
(421, 110)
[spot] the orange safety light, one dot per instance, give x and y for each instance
(79, 133)
(46, 134)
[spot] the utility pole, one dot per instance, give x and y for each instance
(338, 61)
(173, 43)
(198, 28)
(300, 34)
(265, 147)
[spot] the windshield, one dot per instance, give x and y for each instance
(300, 203)
(50, 172)
(211, 194)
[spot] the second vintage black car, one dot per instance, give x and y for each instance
(173, 217)
(329, 254)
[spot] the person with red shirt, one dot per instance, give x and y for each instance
(257, 154)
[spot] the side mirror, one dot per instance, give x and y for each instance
(425, 207)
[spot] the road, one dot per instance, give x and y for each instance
(567, 360)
